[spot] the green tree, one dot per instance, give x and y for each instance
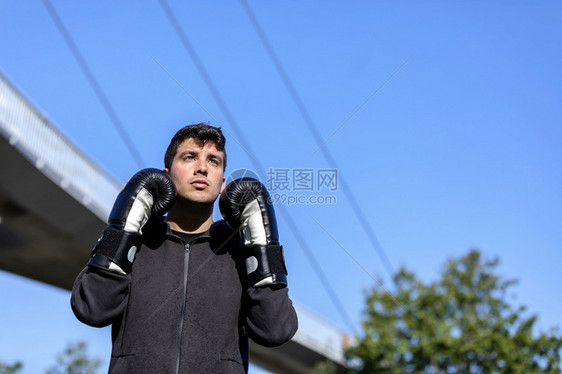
(10, 369)
(324, 367)
(461, 323)
(74, 360)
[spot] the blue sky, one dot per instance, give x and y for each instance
(442, 120)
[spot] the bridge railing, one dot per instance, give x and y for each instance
(320, 335)
(29, 131)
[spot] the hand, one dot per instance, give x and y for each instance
(246, 206)
(150, 191)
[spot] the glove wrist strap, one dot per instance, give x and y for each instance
(115, 250)
(265, 265)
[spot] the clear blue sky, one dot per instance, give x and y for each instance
(442, 119)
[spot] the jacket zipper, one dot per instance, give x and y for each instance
(183, 303)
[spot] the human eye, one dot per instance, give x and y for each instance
(215, 161)
(189, 156)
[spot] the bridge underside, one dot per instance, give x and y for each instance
(45, 234)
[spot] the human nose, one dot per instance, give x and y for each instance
(201, 167)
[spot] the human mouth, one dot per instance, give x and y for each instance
(199, 183)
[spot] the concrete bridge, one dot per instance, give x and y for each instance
(46, 180)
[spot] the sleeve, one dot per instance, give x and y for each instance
(271, 319)
(99, 296)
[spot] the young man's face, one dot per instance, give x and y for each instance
(197, 172)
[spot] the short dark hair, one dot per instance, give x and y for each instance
(202, 134)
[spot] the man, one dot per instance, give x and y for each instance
(183, 293)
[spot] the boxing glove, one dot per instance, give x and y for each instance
(150, 191)
(245, 205)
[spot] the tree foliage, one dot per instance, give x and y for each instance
(323, 367)
(74, 360)
(10, 368)
(461, 323)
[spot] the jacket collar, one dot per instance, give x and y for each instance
(221, 236)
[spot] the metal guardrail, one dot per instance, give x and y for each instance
(43, 145)
(320, 335)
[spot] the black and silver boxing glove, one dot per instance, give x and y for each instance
(246, 206)
(150, 191)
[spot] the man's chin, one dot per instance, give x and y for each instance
(199, 199)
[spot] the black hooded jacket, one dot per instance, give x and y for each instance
(184, 307)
